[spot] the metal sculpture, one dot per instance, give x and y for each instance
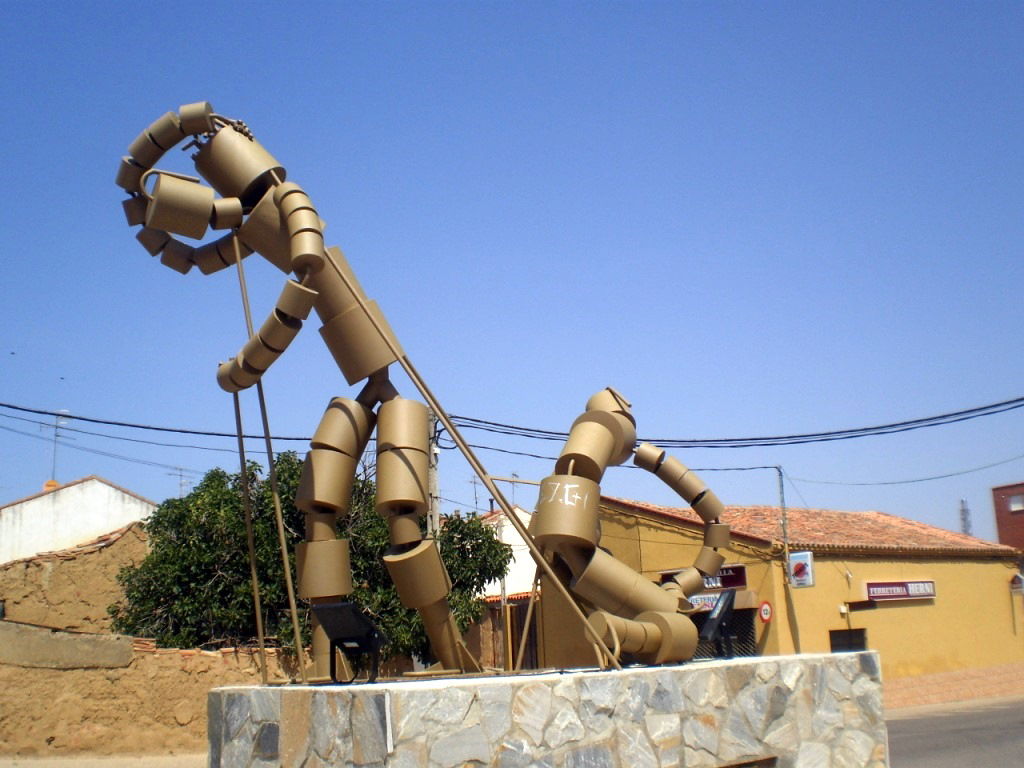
(266, 214)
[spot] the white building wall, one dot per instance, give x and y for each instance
(72, 514)
(522, 568)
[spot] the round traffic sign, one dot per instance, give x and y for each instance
(764, 611)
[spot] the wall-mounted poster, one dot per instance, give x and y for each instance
(801, 569)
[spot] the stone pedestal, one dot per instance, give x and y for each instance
(789, 711)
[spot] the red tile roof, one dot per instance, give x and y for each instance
(825, 530)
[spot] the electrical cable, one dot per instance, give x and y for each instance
(543, 434)
(109, 455)
(914, 480)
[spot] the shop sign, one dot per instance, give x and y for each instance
(900, 590)
(703, 602)
(801, 569)
(728, 577)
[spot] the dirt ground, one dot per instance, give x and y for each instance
(121, 761)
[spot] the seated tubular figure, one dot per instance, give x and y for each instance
(630, 613)
(267, 215)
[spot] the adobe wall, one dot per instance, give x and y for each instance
(70, 589)
(111, 700)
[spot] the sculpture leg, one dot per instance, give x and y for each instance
(324, 493)
(413, 562)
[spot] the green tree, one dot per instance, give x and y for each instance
(193, 588)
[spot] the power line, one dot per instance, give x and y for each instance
(765, 441)
(916, 479)
(132, 459)
(542, 434)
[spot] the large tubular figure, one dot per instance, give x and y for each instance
(266, 214)
(277, 220)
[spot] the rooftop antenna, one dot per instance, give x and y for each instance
(965, 518)
(58, 421)
(179, 472)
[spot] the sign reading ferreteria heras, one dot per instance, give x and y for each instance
(900, 590)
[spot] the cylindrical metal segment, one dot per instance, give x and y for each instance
(326, 481)
(241, 374)
(166, 131)
(439, 624)
(613, 586)
(716, 535)
(356, 346)
(334, 297)
(145, 151)
(301, 219)
(597, 438)
(648, 457)
(208, 259)
(320, 526)
(296, 300)
(709, 507)
(264, 230)
(402, 483)
(322, 568)
(679, 636)
(135, 210)
(227, 213)
(307, 251)
(632, 636)
(196, 117)
(180, 206)
(609, 399)
(259, 355)
(177, 255)
(278, 331)
(680, 479)
(281, 191)
(690, 580)
(226, 249)
(403, 423)
(567, 512)
(153, 240)
(419, 575)
(346, 426)
(404, 529)
(129, 175)
(237, 166)
(224, 377)
(708, 561)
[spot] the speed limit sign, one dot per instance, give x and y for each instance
(764, 611)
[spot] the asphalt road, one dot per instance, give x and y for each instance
(988, 734)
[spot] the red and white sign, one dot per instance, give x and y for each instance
(764, 611)
(900, 590)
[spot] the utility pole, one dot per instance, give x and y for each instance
(57, 423)
(433, 490)
(965, 518)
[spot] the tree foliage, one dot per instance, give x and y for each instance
(193, 588)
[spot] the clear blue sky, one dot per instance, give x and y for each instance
(752, 219)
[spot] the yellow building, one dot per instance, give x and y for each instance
(929, 600)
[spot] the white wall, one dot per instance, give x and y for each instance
(522, 568)
(73, 514)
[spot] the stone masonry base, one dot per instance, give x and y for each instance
(790, 711)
